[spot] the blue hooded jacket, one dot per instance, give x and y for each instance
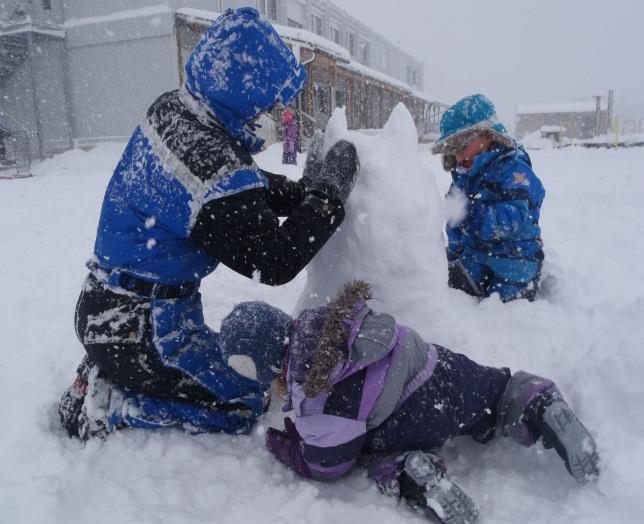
(501, 229)
(193, 148)
(240, 69)
(174, 165)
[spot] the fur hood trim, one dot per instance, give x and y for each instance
(330, 352)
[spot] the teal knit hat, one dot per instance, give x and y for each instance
(467, 117)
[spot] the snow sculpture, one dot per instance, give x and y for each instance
(392, 233)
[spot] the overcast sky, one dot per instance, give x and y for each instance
(519, 52)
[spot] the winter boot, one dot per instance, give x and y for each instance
(84, 408)
(72, 401)
(560, 428)
(424, 485)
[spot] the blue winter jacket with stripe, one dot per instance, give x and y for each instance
(504, 201)
(187, 195)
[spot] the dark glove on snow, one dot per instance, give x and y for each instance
(286, 446)
(338, 173)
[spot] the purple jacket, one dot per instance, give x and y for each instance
(375, 368)
(290, 137)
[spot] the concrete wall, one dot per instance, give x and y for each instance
(113, 84)
(41, 114)
(48, 58)
(17, 111)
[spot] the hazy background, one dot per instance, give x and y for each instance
(519, 52)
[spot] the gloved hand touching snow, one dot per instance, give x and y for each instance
(285, 445)
(338, 173)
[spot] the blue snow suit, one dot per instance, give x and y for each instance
(185, 196)
(497, 246)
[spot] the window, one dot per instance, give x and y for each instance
(375, 109)
(364, 51)
(316, 24)
(410, 75)
(335, 34)
(293, 23)
(46, 4)
(351, 43)
(341, 92)
(268, 8)
(385, 60)
(272, 9)
(321, 97)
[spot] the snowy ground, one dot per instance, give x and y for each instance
(588, 335)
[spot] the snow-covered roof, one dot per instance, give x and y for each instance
(119, 15)
(27, 25)
(307, 38)
(587, 106)
(383, 77)
(291, 33)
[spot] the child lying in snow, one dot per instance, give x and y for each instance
(364, 388)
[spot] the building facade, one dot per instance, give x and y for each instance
(581, 120)
(76, 72)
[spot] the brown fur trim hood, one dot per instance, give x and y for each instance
(334, 336)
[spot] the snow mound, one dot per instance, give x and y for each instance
(392, 233)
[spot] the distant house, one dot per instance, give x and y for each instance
(76, 72)
(580, 119)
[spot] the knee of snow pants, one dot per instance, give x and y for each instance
(520, 391)
(139, 411)
(467, 275)
(509, 291)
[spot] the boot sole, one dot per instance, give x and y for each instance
(443, 501)
(572, 441)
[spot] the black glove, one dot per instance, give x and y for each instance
(338, 173)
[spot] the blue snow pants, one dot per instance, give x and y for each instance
(165, 376)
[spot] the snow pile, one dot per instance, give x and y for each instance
(587, 334)
(392, 232)
(534, 141)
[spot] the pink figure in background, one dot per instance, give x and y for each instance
(291, 137)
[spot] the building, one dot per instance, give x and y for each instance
(77, 72)
(580, 119)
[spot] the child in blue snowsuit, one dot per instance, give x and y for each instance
(185, 197)
(365, 389)
(495, 245)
